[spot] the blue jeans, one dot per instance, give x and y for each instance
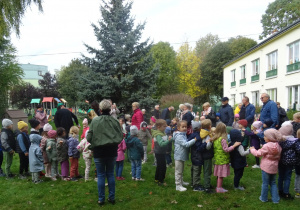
(284, 178)
(105, 168)
(119, 168)
(168, 158)
(269, 179)
(136, 168)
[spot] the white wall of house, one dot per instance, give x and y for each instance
(283, 87)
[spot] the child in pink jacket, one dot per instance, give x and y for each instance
(270, 153)
(120, 160)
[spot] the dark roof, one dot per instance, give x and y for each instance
(264, 41)
(16, 114)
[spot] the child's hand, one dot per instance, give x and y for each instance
(237, 144)
(255, 132)
(26, 154)
(49, 147)
(170, 137)
(243, 129)
(61, 142)
(71, 158)
(207, 141)
(251, 148)
(11, 152)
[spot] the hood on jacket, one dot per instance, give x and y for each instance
(143, 125)
(236, 136)
(35, 138)
(204, 133)
(157, 132)
(178, 133)
(130, 140)
(274, 148)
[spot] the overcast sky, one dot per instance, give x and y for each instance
(66, 24)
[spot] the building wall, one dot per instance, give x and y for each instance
(280, 82)
(33, 73)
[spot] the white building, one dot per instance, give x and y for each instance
(271, 66)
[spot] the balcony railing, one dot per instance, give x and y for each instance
(271, 73)
(255, 78)
(243, 81)
(233, 84)
(293, 67)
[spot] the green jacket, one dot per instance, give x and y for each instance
(104, 130)
(220, 156)
(245, 142)
(52, 152)
(135, 147)
(160, 142)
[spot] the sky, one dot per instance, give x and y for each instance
(65, 25)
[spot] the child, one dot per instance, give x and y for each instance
(289, 158)
(144, 135)
(243, 126)
(237, 158)
(254, 139)
(168, 132)
(196, 156)
(221, 154)
(23, 148)
(161, 141)
(181, 154)
(47, 127)
(52, 153)
(269, 163)
(213, 130)
(83, 147)
(218, 115)
(207, 154)
(85, 125)
(136, 153)
(152, 127)
(266, 125)
(174, 124)
(62, 153)
(8, 145)
(297, 170)
(73, 153)
(123, 125)
(296, 123)
(235, 124)
(35, 126)
(35, 158)
(120, 160)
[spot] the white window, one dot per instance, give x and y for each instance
(255, 98)
(272, 61)
(255, 67)
(293, 97)
(242, 96)
(273, 94)
(233, 75)
(233, 99)
(40, 73)
(294, 52)
(243, 72)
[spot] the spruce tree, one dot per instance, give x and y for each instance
(122, 68)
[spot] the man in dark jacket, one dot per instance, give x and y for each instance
(165, 115)
(281, 115)
(156, 112)
(63, 118)
(247, 111)
(226, 112)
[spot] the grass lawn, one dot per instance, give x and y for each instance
(23, 194)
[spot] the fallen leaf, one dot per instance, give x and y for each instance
(150, 193)
(200, 206)
(87, 193)
(43, 203)
(52, 185)
(174, 201)
(29, 202)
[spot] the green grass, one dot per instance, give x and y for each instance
(22, 194)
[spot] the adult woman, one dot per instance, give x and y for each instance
(92, 114)
(41, 116)
(137, 117)
(104, 136)
(209, 113)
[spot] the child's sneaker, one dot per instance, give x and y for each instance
(53, 178)
(262, 200)
(118, 178)
(221, 190)
(239, 188)
(133, 178)
(287, 196)
(121, 178)
(48, 176)
(256, 166)
(38, 182)
(140, 179)
(297, 195)
(198, 188)
(96, 179)
(180, 188)
(162, 184)
(185, 183)
(74, 179)
(21, 176)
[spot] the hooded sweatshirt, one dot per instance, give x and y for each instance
(270, 153)
(144, 136)
(290, 154)
(160, 142)
(135, 147)
(35, 154)
(208, 153)
(181, 151)
(52, 151)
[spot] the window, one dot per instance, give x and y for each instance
(294, 52)
(273, 94)
(255, 98)
(233, 99)
(242, 96)
(233, 75)
(40, 73)
(255, 67)
(272, 61)
(293, 97)
(243, 72)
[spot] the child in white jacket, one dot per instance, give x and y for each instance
(87, 155)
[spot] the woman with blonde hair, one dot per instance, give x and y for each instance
(208, 113)
(92, 114)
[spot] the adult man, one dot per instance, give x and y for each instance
(166, 113)
(247, 111)
(269, 110)
(179, 111)
(137, 117)
(226, 112)
(281, 115)
(156, 112)
(63, 118)
(144, 115)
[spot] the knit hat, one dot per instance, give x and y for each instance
(268, 122)
(257, 124)
(218, 114)
(47, 127)
(22, 124)
(133, 130)
(168, 130)
(273, 135)
(143, 125)
(236, 136)
(6, 123)
(33, 123)
(52, 133)
(35, 138)
(168, 122)
(243, 123)
(196, 125)
(286, 129)
(236, 116)
(85, 121)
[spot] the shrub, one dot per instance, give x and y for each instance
(290, 113)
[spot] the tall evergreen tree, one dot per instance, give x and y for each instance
(122, 69)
